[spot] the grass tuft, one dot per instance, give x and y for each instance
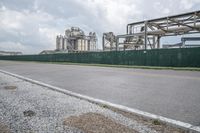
(156, 122)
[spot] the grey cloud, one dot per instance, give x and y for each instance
(36, 33)
(18, 5)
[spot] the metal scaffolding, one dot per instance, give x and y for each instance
(147, 34)
(109, 41)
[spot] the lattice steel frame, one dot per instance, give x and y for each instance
(187, 23)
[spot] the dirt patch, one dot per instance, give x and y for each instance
(10, 87)
(96, 123)
(153, 124)
(4, 128)
(29, 113)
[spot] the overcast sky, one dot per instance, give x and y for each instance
(31, 26)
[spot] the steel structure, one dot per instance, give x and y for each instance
(109, 41)
(147, 34)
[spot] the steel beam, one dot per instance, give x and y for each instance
(165, 18)
(145, 35)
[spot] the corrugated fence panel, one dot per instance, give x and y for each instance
(180, 57)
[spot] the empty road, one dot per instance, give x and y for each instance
(172, 94)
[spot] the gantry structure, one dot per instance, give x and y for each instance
(147, 34)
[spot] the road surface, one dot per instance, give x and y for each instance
(172, 94)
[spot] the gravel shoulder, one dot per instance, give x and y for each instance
(27, 107)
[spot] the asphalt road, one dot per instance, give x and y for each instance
(172, 94)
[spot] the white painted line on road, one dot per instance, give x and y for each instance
(179, 124)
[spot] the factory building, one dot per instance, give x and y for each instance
(75, 40)
(9, 53)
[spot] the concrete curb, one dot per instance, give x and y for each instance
(186, 126)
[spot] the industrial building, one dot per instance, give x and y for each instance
(147, 34)
(183, 43)
(139, 35)
(10, 53)
(75, 40)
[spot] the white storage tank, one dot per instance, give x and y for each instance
(65, 43)
(59, 42)
(91, 45)
(82, 44)
(86, 45)
(79, 44)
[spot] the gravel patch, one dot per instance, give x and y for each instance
(33, 108)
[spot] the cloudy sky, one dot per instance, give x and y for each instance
(31, 26)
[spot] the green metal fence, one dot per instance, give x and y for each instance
(180, 57)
